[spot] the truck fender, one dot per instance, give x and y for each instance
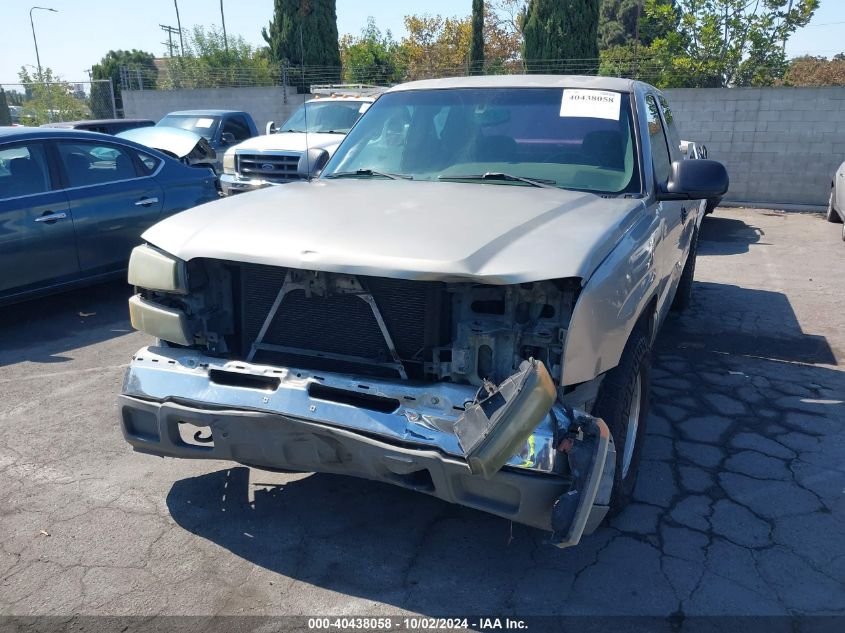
(611, 302)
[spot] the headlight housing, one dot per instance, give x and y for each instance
(153, 269)
(229, 162)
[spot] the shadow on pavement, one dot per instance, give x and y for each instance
(41, 330)
(726, 236)
(736, 320)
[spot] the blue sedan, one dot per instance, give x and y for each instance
(73, 205)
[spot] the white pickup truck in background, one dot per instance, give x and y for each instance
(280, 155)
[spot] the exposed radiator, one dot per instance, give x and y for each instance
(416, 314)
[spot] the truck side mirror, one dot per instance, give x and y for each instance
(227, 138)
(311, 163)
(695, 180)
(270, 128)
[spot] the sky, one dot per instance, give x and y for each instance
(82, 31)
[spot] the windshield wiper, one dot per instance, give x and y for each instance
(495, 175)
(368, 172)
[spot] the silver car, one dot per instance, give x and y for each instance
(463, 304)
(836, 201)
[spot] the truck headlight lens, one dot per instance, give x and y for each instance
(162, 322)
(153, 269)
(229, 162)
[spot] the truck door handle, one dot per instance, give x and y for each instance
(145, 202)
(683, 214)
(49, 217)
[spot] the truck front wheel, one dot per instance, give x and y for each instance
(622, 403)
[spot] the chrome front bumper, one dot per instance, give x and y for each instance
(279, 418)
(231, 184)
(425, 415)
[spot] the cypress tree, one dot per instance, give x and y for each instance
(618, 23)
(563, 34)
(476, 52)
(304, 33)
(5, 114)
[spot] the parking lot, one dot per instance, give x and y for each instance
(739, 507)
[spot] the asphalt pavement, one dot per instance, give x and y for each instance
(739, 505)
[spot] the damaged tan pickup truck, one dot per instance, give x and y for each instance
(462, 304)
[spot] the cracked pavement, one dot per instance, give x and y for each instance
(738, 509)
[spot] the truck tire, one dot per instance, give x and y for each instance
(683, 293)
(622, 403)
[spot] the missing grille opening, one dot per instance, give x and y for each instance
(250, 381)
(352, 398)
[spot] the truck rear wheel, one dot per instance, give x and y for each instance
(622, 403)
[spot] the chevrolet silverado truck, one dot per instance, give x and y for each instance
(462, 304)
(281, 155)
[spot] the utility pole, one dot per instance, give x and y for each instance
(637, 40)
(223, 20)
(35, 40)
(170, 30)
(38, 60)
(179, 24)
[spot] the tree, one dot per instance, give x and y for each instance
(304, 33)
(144, 73)
(561, 36)
(372, 58)
(210, 61)
(476, 51)
(816, 71)
(436, 46)
(726, 42)
(503, 35)
(5, 115)
(49, 98)
(621, 22)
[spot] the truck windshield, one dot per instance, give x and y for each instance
(205, 126)
(568, 138)
(330, 117)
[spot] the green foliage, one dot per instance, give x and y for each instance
(304, 32)
(372, 58)
(109, 68)
(50, 99)
(618, 23)
(816, 71)
(210, 61)
(5, 115)
(476, 49)
(725, 42)
(561, 36)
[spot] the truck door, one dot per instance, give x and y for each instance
(674, 215)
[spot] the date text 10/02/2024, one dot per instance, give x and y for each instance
(416, 623)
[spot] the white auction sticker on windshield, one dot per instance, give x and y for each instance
(205, 122)
(593, 104)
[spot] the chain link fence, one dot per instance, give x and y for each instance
(52, 102)
(180, 75)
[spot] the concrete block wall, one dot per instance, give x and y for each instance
(780, 145)
(264, 104)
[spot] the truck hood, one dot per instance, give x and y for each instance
(289, 141)
(489, 233)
